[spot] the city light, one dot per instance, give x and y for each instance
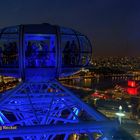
(131, 83)
(121, 114)
(132, 91)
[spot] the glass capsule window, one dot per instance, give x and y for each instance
(40, 51)
(85, 50)
(9, 30)
(67, 31)
(70, 50)
(9, 50)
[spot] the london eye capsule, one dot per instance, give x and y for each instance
(38, 52)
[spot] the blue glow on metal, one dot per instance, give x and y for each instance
(38, 37)
(41, 52)
(35, 105)
(76, 111)
(40, 102)
(1, 120)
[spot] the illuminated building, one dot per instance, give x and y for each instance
(132, 88)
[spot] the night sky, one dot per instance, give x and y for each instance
(113, 26)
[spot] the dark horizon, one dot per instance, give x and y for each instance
(113, 27)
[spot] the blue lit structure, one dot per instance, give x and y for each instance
(40, 107)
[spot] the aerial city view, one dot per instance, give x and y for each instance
(69, 70)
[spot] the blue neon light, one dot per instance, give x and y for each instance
(1, 120)
(38, 37)
(40, 50)
(40, 101)
(76, 111)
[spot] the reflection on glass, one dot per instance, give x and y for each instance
(64, 30)
(85, 50)
(70, 50)
(76, 50)
(40, 51)
(9, 51)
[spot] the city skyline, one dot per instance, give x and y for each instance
(112, 26)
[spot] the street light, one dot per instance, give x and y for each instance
(120, 114)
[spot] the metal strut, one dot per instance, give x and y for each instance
(48, 111)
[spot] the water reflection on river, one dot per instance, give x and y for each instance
(95, 83)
